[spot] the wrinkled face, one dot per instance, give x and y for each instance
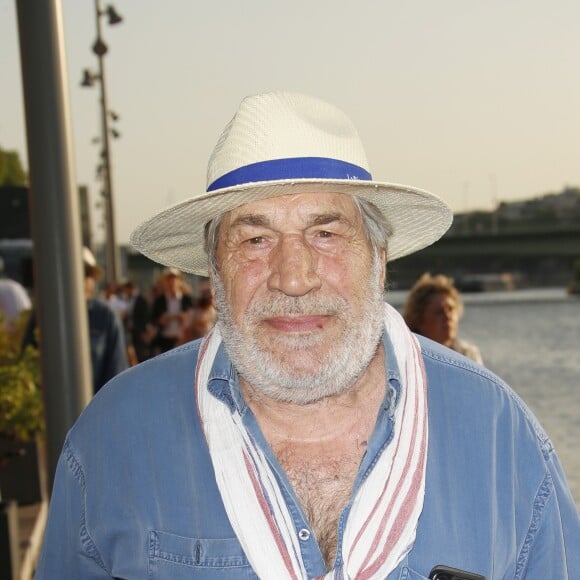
(440, 319)
(299, 294)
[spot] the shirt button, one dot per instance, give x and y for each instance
(304, 534)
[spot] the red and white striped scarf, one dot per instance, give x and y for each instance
(382, 522)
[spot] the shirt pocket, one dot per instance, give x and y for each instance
(173, 557)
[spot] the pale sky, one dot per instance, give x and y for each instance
(475, 101)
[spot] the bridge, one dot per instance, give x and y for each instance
(539, 257)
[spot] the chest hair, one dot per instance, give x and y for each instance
(323, 486)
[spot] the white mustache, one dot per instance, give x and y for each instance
(282, 305)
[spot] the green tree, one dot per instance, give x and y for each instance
(21, 406)
(11, 170)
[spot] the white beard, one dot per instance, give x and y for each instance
(285, 368)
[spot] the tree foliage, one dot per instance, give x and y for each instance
(21, 407)
(11, 170)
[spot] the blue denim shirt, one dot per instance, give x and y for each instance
(135, 495)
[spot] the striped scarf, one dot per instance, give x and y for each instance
(382, 522)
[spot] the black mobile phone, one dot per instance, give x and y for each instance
(440, 572)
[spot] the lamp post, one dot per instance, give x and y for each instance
(89, 78)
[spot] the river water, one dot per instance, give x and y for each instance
(531, 338)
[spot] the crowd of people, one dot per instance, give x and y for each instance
(127, 326)
(168, 315)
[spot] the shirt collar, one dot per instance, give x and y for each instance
(223, 382)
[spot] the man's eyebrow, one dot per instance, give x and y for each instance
(250, 220)
(326, 218)
(262, 220)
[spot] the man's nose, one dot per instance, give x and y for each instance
(293, 267)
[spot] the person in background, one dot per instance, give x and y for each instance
(14, 300)
(200, 321)
(171, 310)
(310, 433)
(106, 333)
(207, 314)
(113, 296)
(107, 337)
(137, 328)
(433, 309)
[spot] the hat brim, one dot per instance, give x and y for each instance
(175, 236)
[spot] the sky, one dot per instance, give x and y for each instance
(475, 101)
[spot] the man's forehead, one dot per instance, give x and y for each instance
(315, 206)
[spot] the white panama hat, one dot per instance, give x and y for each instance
(283, 143)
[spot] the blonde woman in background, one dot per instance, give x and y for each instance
(433, 309)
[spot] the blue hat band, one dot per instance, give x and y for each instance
(291, 168)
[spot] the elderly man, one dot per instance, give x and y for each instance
(310, 433)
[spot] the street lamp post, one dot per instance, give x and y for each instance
(100, 49)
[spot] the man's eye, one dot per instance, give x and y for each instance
(325, 234)
(255, 240)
